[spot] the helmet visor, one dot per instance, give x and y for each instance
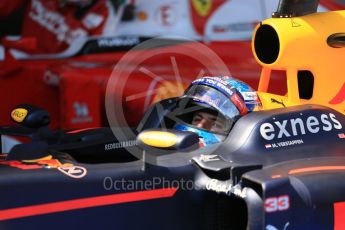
(211, 97)
(206, 108)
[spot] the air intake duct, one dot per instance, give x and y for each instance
(300, 42)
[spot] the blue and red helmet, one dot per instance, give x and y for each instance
(226, 98)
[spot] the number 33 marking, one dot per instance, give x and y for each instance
(274, 204)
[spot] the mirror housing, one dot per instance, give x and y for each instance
(30, 116)
(164, 139)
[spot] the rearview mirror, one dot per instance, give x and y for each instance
(30, 116)
(168, 140)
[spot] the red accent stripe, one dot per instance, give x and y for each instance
(339, 215)
(339, 98)
(68, 205)
(276, 176)
(315, 169)
(80, 130)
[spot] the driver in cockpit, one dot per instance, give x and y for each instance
(211, 106)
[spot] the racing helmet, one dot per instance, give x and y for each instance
(219, 100)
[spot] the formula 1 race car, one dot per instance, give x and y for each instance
(52, 81)
(277, 168)
(273, 170)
